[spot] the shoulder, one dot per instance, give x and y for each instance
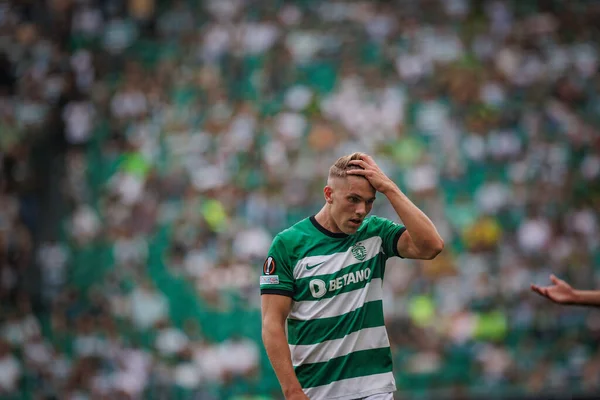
(376, 224)
(292, 237)
(374, 221)
(291, 233)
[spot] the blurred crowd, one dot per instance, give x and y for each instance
(192, 132)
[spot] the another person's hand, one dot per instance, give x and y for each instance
(561, 292)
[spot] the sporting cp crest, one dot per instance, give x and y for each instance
(359, 251)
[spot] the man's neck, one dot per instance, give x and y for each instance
(324, 219)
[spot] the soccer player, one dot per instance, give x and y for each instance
(562, 293)
(323, 276)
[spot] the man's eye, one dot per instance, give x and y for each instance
(354, 199)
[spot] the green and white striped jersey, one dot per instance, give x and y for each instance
(338, 341)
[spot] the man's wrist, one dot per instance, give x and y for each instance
(292, 390)
(580, 297)
(391, 189)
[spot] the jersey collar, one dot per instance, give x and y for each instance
(337, 235)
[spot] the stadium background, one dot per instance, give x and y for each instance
(151, 149)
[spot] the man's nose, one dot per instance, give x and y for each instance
(361, 209)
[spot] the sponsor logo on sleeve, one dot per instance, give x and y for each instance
(269, 280)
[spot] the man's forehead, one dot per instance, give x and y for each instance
(354, 184)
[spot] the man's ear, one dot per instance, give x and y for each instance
(328, 192)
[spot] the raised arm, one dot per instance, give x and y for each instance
(562, 293)
(275, 309)
(421, 239)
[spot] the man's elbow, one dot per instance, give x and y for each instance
(434, 248)
(267, 335)
(272, 328)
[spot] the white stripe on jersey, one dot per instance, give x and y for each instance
(335, 262)
(380, 396)
(349, 389)
(337, 305)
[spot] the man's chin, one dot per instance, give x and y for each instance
(354, 224)
(351, 228)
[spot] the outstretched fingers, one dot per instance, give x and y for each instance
(542, 291)
(537, 289)
(555, 280)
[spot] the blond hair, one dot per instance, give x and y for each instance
(339, 168)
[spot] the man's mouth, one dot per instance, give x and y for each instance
(356, 221)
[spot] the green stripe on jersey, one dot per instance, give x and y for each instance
(359, 363)
(319, 330)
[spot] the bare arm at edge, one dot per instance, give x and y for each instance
(562, 293)
(275, 309)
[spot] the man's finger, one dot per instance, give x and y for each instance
(360, 163)
(368, 159)
(540, 290)
(356, 172)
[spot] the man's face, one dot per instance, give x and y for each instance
(350, 201)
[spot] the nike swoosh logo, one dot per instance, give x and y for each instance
(314, 266)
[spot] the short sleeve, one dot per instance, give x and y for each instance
(276, 276)
(390, 233)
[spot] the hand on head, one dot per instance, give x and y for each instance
(371, 171)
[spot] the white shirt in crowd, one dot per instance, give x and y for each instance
(170, 341)
(148, 307)
(10, 373)
(79, 119)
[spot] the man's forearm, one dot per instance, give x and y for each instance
(278, 351)
(588, 297)
(421, 229)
